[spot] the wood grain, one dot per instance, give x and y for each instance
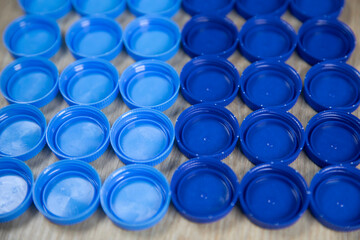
(32, 225)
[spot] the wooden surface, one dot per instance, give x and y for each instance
(32, 225)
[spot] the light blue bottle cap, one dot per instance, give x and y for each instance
(142, 136)
(152, 37)
(135, 197)
(78, 132)
(108, 8)
(92, 82)
(149, 84)
(22, 131)
(165, 8)
(67, 192)
(16, 182)
(52, 8)
(32, 80)
(31, 35)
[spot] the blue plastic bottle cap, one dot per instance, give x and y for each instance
(92, 82)
(149, 84)
(333, 137)
(16, 181)
(209, 79)
(78, 132)
(67, 192)
(335, 198)
(218, 7)
(142, 136)
(98, 37)
(271, 136)
(274, 195)
(108, 8)
(269, 38)
(22, 131)
(152, 37)
(53, 9)
(30, 36)
(32, 80)
(332, 85)
(166, 8)
(336, 39)
(250, 8)
(307, 9)
(198, 36)
(270, 84)
(206, 130)
(204, 190)
(135, 197)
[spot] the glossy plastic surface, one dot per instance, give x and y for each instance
(53, 9)
(108, 8)
(218, 7)
(251, 8)
(165, 8)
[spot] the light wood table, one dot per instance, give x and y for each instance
(32, 225)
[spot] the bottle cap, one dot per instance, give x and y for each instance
(250, 8)
(16, 182)
(91, 81)
(32, 80)
(135, 197)
(274, 195)
(142, 136)
(152, 37)
(108, 8)
(209, 79)
(218, 7)
(267, 37)
(204, 190)
(22, 131)
(333, 137)
(53, 9)
(335, 198)
(198, 36)
(270, 84)
(332, 85)
(206, 130)
(271, 136)
(97, 37)
(149, 84)
(67, 192)
(31, 35)
(78, 132)
(165, 8)
(336, 39)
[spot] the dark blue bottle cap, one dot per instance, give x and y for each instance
(250, 8)
(206, 130)
(204, 190)
(67, 192)
(31, 35)
(78, 132)
(32, 80)
(149, 84)
(98, 37)
(22, 131)
(267, 38)
(218, 7)
(16, 182)
(152, 37)
(166, 8)
(332, 85)
(274, 195)
(307, 9)
(198, 36)
(325, 39)
(135, 197)
(209, 79)
(270, 84)
(333, 137)
(143, 136)
(53, 9)
(271, 136)
(335, 198)
(91, 81)
(108, 8)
